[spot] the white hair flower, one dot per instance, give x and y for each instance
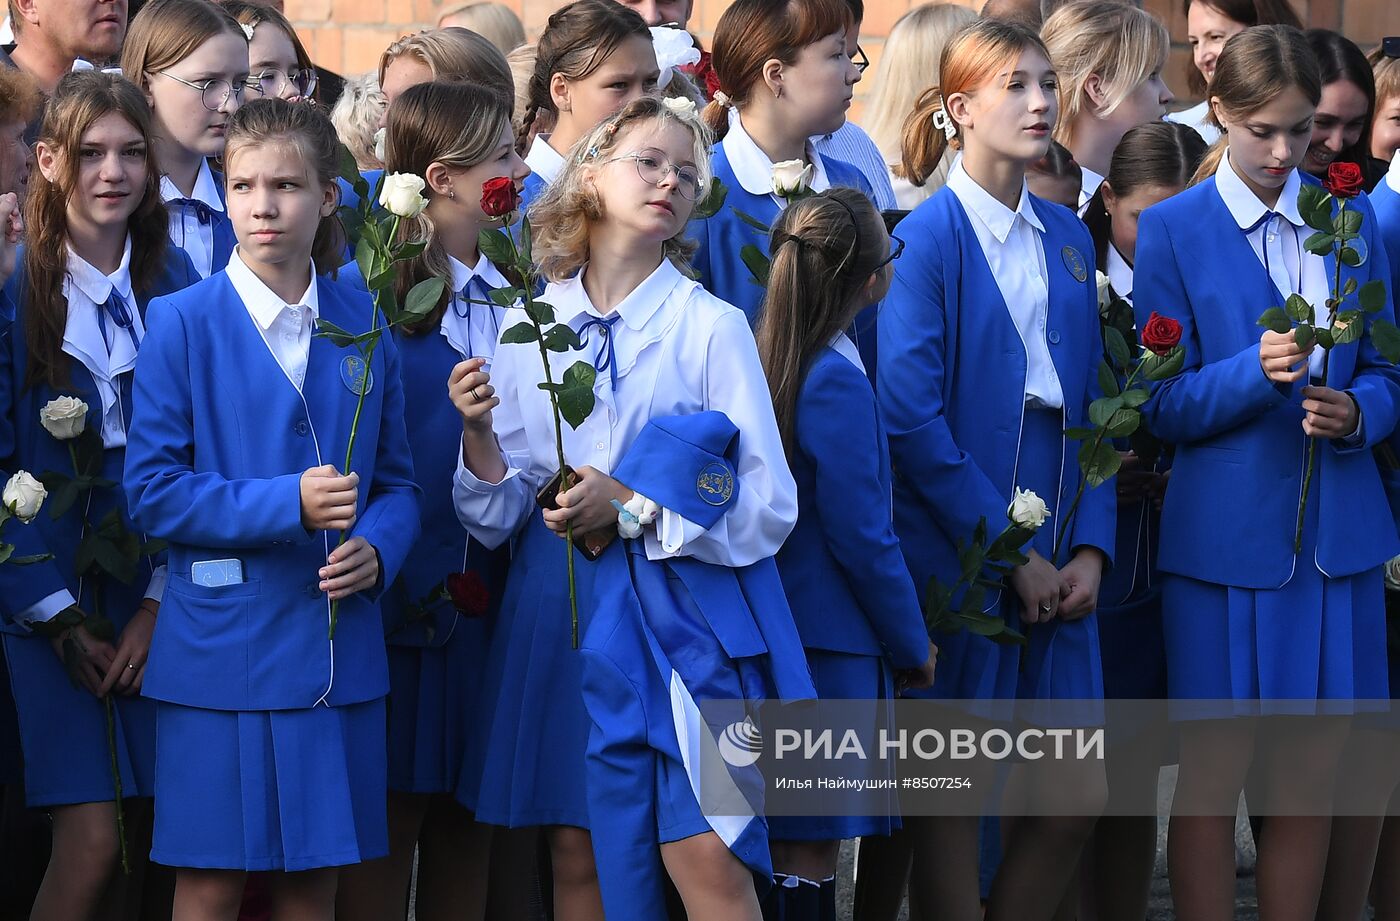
(680, 106)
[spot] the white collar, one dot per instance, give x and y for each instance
(1392, 175)
(1245, 207)
(752, 167)
(571, 298)
(484, 268)
(842, 345)
(262, 303)
(1089, 183)
(1120, 274)
(998, 218)
(544, 161)
(95, 285)
(206, 190)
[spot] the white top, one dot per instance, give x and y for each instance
(285, 328)
(1392, 175)
(1011, 242)
(679, 349)
(544, 161)
(1120, 274)
(754, 170)
(1089, 183)
(473, 329)
(851, 145)
(1292, 269)
(186, 232)
(1198, 117)
(844, 347)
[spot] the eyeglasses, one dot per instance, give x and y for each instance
(273, 82)
(654, 168)
(859, 59)
(896, 248)
(213, 93)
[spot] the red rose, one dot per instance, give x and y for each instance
(1343, 180)
(704, 75)
(1161, 334)
(469, 594)
(498, 196)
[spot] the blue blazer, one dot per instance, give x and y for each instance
(721, 237)
(219, 442)
(952, 384)
(224, 239)
(27, 445)
(1386, 202)
(841, 567)
(348, 197)
(1230, 512)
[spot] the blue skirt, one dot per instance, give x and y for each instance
(847, 677)
(63, 732)
(1314, 639)
(525, 755)
(433, 699)
(1061, 658)
(270, 789)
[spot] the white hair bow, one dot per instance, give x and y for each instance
(674, 49)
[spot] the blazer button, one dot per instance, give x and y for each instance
(301, 428)
(1054, 337)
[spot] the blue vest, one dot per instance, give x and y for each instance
(224, 238)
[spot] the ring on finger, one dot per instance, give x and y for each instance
(1046, 607)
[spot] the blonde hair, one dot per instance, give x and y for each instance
(495, 22)
(356, 116)
(971, 59)
(454, 55)
(1387, 74)
(166, 32)
(521, 62)
(562, 216)
(1254, 68)
(917, 38)
(1120, 43)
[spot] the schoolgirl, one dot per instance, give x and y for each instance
(95, 255)
(854, 604)
(1152, 163)
(191, 59)
(593, 58)
(1109, 57)
(784, 77)
(278, 64)
(270, 749)
(457, 137)
(989, 342)
(682, 422)
(1248, 620)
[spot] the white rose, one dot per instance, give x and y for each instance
(1028, 510)
(64, 418)
(402, 194)
(1105, 295)
(1392, 574)
(674, 49)
(684, 108)
(792, 177)
(23, 496)
(379, 142)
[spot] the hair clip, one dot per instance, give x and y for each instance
(247, 30)
(590, 153)
(944, 122)
(723, 99)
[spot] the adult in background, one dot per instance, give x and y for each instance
(1341, 131)
(51, 34)
(495, 22)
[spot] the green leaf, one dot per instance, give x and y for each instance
(1135, 397)
(339, 337)
(408, 249)
(29, 560)
(5, 551)
(1304, 335)
(1299, 309)
(1315, 207)
(757, 263)
(99, 626)
(1348, 327)
(1117, 347)
(1372, 295)
(561, 338)
(520, 334)
(85, 556)
(527, 243)
(1098, 463)
(1108, 381)
(506, 297)
(1078, 433)
(1159, 367)
(349, 169)
(424, 297)
(353, 221)
(1350, 256)
(63, 492)
(1319, 243)
(1350, 220)
(153, 546)
(1349, 288)
(576, 393)
(540, 312)
(1324, 338)
(496, 246)
(761, 226)
(710, 205)
(1102, 409)
(1124, 423)
(383, 280)
(1275, 319)
(1386, 338)
(366, 257)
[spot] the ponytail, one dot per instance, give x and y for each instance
(923, 142)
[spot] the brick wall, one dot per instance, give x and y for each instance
(348, 35)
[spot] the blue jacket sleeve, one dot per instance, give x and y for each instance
(1376, 382)
(1204, 400)
(391, 522)
(166, 495)
(837, 430)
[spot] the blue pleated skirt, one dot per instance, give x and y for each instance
(527, 738)
(270, 789)
(1061, 658)
(434, 696)
(1314, 639)
(63, 732)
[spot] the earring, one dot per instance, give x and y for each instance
(451, 195)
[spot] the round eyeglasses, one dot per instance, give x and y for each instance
(213, 93)
(653, 167)
(273, 82)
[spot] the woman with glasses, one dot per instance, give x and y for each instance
(278, 65)
(191, 59)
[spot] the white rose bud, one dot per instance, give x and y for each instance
(402, 194)
(379, 142)
(64, 418)
(682, 107)
(1392, 574)
(1028, 510)
(792, 177)
(24, 496)
(1105, 295)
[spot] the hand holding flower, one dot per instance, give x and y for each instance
(1281, 358)
(1040, 586)
(587, 504)
(93, 657)
(128, 667)
(351, 567)
(329, 501)
(1330, 413)
(470, 390)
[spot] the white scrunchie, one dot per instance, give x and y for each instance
(723, 99)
